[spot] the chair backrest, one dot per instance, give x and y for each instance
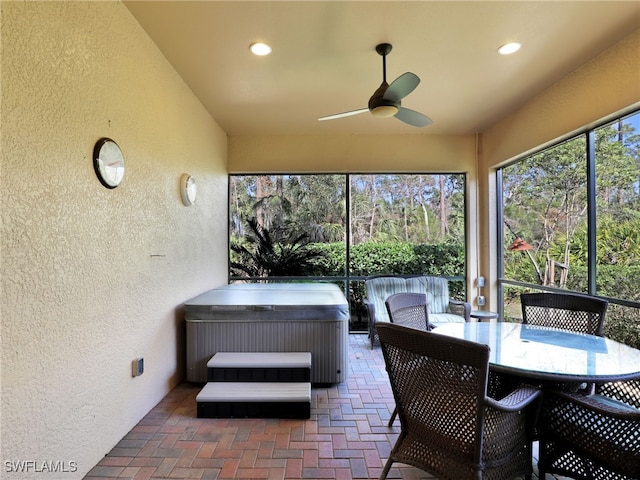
(575, 312)
(627, 391)
(379, 288)
(439, 384)
(437, 289)
(408, 309)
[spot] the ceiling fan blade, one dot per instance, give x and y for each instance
(413, 118)
(401, 87)
(343, 114)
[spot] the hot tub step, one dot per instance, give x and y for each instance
(252, 400)
(259, 367)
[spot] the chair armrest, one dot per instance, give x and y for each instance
(600, 404)
(460, 308)
(516, 400)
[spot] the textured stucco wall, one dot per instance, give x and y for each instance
(92, 278)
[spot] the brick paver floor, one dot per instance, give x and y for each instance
(346, 437)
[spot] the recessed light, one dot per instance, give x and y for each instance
(509, 48)
(260, 49)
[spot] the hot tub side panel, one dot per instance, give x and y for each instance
(327, 340)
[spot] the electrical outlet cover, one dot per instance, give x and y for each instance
(137, 367)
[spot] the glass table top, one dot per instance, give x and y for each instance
(546, 353)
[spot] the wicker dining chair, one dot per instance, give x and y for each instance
(569, 311)
(592, 437)
(450, 428)
(410, 310)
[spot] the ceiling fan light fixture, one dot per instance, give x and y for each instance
(509, 48)
(384, 111)
(260, 49)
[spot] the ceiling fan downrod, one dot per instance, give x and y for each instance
(378, 105)
(383, 49)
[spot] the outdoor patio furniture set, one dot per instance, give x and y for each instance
(466, 412)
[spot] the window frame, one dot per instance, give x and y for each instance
(589, 134)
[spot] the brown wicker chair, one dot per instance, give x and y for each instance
(592, 437)
(569, 311)
(450, 428)
(410, 310)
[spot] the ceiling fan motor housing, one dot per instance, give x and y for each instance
(380, 106)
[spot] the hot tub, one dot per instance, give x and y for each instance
(292, 317)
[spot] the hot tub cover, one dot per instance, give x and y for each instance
(270, 301)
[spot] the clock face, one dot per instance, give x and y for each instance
(108, 162)
(188, 189)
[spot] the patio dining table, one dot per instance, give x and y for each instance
(549, 354)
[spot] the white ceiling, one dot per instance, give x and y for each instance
(324, 58)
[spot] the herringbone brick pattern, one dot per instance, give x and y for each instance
(346, 437)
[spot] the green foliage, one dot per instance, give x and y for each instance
(617, 242)
(393, 258)
(378, 258)
(443, 259)
(546, 202)
(623, 324)
(261, 255)
(331, 261)
(615, 281)
(397, 258)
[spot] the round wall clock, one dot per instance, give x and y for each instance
(188, 189)
(108, 162)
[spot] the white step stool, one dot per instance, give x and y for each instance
(257, 385)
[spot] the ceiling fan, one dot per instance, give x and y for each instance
(386, 100)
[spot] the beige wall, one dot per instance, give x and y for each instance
(92, 278)
(607, 86)
(352, 153)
